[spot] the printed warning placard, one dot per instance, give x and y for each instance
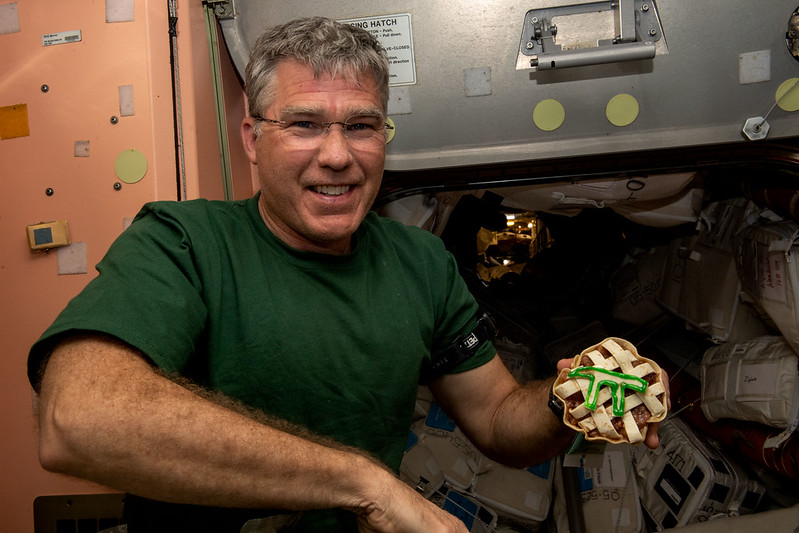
(395, 34)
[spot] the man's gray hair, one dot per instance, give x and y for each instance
(342, 50)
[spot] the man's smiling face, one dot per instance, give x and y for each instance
(315, 193)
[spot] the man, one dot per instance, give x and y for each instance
(302, 321)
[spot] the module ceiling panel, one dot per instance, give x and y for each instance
(477, 82)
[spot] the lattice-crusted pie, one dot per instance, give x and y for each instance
(611, 393)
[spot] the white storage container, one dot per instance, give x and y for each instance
(456, 456)
(419, 468)
(609, 495)
(439, 458)
(700, 282)
(477, 517)
(755, 380)
(636, 286)
(687, 480)
(519, 496)
(767, 266)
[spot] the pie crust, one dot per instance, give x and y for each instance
(611, 393)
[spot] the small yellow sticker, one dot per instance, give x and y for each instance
(622, 110)
(14, 121)
(391, 131)
(788, 95)
(130, 166)
(549, 114)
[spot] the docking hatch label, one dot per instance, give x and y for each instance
(395, 34)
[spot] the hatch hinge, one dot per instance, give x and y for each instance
(223, 9)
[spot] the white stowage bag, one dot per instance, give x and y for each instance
(687, 479)
(767, 266)
(442, 464)
(700, 281)
(755, 380)
(663, 200)
(608, 493)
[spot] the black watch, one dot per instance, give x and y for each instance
(554, 403)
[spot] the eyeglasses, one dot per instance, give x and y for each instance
(360, 130)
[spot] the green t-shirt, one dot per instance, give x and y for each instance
(333, 343)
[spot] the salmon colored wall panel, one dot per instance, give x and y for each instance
(83, 80)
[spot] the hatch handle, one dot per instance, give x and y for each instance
(594, 56)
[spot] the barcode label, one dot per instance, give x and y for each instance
(62, 37)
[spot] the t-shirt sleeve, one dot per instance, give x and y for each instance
(460, 317)
(147, 294)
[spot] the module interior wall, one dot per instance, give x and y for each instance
(83, 79)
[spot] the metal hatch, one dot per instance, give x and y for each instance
(470, 99)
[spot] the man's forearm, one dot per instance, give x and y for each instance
(106, 416)
(525, 430)
(508, 422)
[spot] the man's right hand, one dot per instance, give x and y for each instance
(399, 509)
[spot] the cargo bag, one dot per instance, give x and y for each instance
(700, 281)
(476, 517)
(609, 495)
(419, 468)
(521, 497)
(636, 285)
(688, 480)
(439, 459)
(766, 259)
(457, 458)
(757, 380)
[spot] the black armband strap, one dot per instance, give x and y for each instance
(461, 349)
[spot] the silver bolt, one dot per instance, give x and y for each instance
(529, 46)
(755, 128)
(653, 32)
(645, 8)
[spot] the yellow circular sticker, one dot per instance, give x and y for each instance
(788, 95)
(622, 110)
(392, 130)
(548, 115)
(130, 166)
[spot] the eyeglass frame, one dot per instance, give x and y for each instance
(283, 124)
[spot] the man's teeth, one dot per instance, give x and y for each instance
(331, 190)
